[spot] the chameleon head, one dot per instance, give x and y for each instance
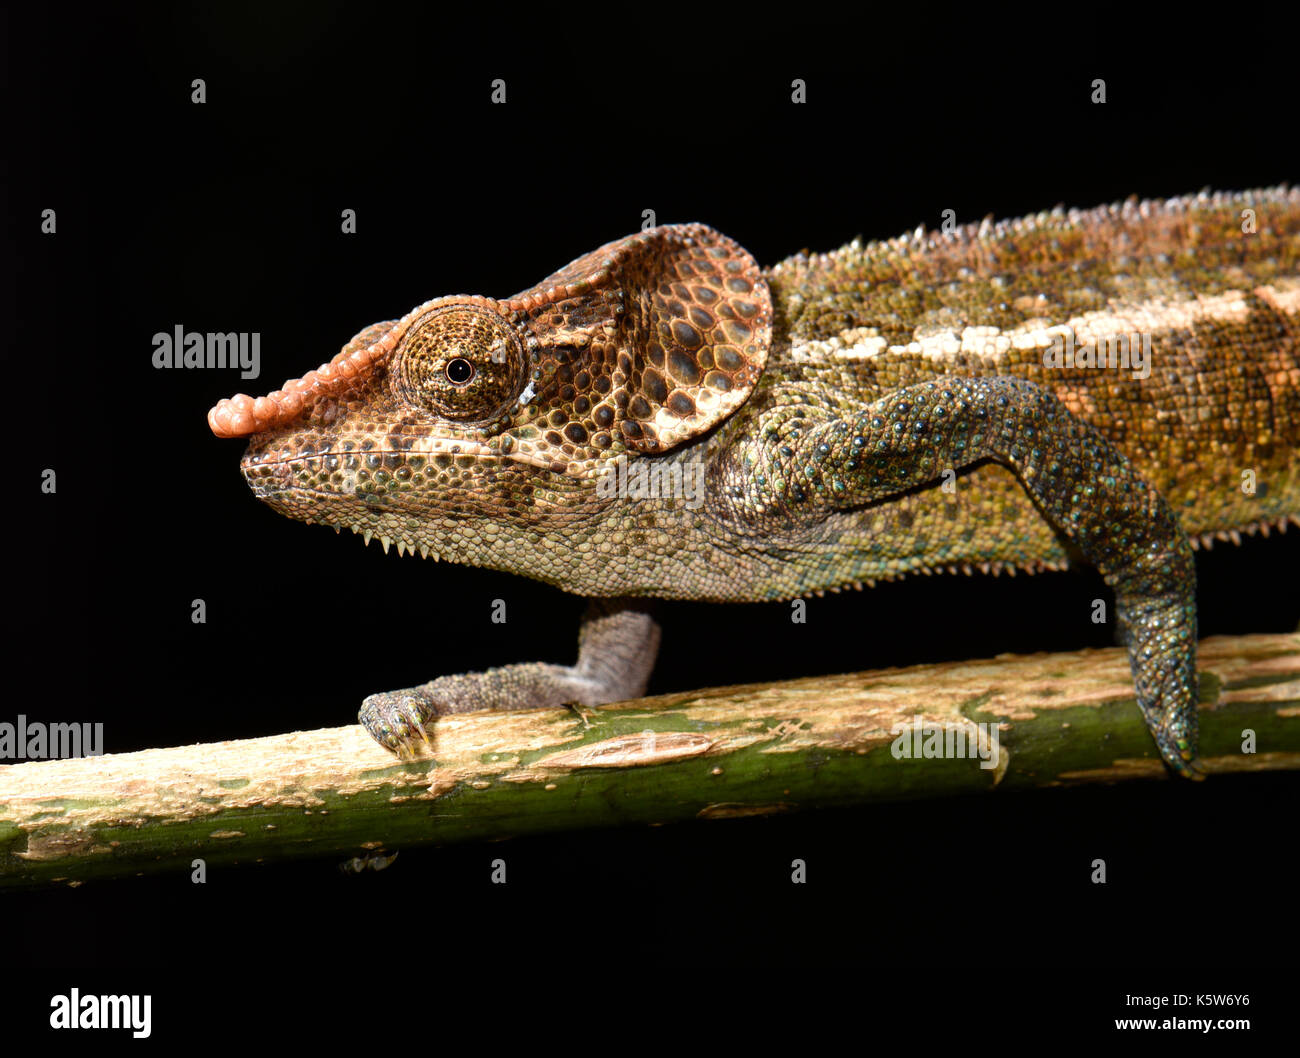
(456, 429)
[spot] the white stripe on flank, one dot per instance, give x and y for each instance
(1145, 317)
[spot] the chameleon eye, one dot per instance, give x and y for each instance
(460, 361)
(459, 371)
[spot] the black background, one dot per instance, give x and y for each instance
(226, 216)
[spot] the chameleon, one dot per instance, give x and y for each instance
(664, 418)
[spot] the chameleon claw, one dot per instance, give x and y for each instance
(581, 713)
(1180, 757)
(424, 738)
(414, 729)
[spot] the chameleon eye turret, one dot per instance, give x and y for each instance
(461, 361)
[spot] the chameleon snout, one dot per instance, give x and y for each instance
(267, 471)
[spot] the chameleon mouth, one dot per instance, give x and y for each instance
(294, 479)
(264, 471)
(270, 473)
(275, 481)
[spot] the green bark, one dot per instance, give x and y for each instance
(1063, 719)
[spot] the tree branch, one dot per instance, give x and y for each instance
(1062, 719)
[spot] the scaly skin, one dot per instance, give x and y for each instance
(881, 410)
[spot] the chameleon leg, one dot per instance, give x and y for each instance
(1087, 489)
(617, 645)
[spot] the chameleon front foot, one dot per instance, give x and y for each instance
(616, 651)
(397, 719)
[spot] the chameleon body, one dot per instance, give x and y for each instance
(664, 418)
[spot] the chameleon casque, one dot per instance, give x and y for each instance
(820, 403)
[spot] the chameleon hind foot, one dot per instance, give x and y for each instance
(1160, 633)
(1084, 485)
